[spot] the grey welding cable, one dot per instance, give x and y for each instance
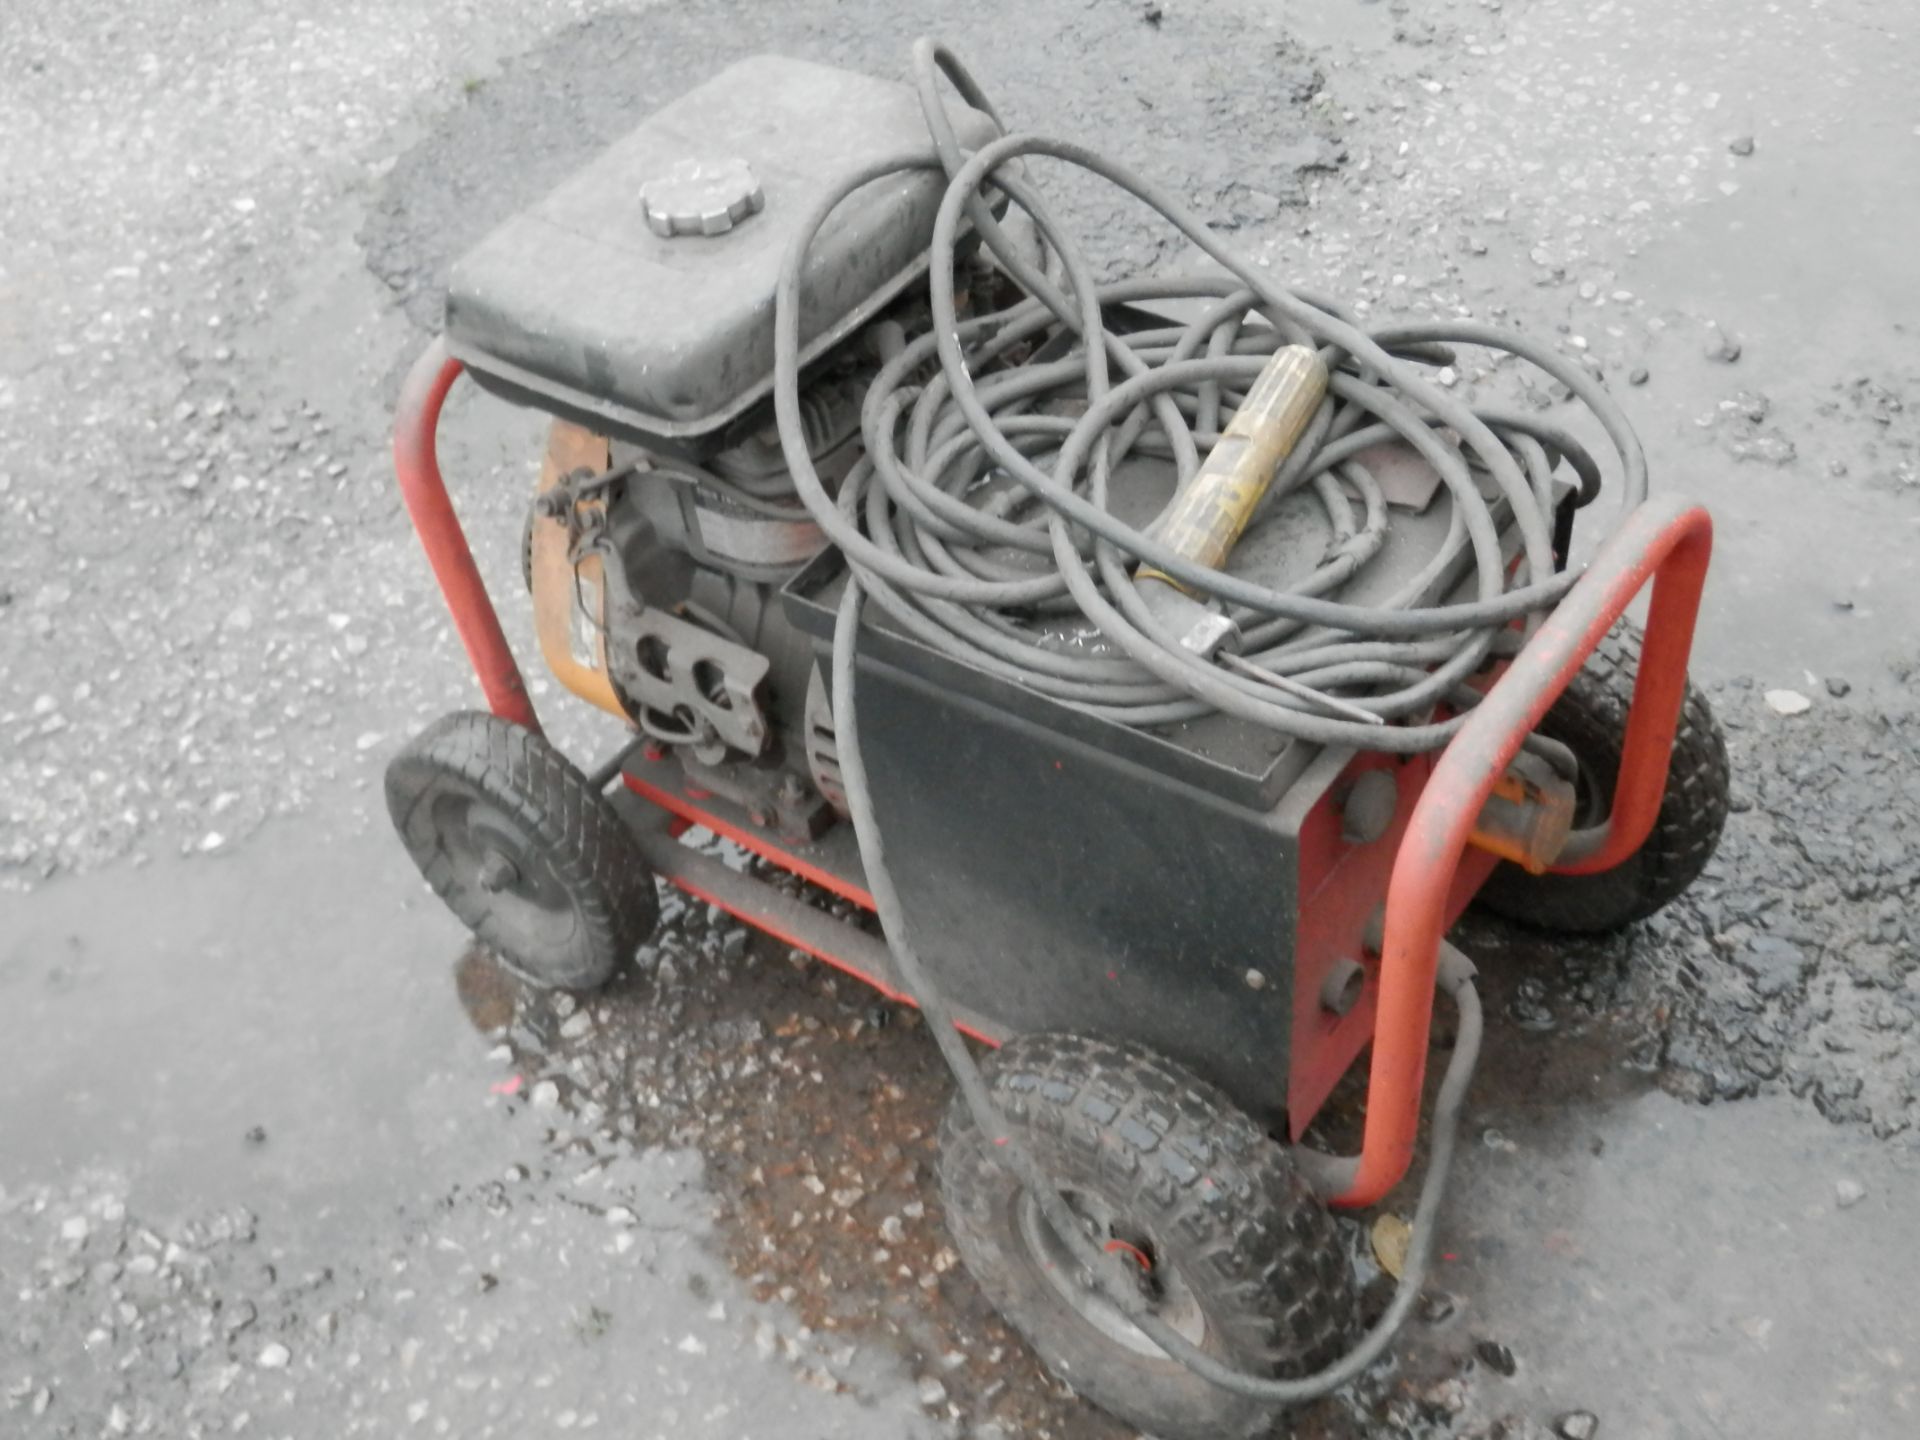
(914, 546)
(888, 564)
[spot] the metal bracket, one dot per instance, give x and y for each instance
(669, 664)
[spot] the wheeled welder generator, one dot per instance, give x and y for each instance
(1166, 661)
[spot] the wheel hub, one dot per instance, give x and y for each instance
(1133, 1259)
(530, 909)
(498, 872)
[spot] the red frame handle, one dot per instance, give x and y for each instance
(415, 462)
(1664, 541)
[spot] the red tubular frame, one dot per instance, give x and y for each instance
(416, 423)
(1663, 541)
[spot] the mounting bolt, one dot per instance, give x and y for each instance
(1256, 980)
(1346, 981)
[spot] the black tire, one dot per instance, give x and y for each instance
(572, 900)
(1247, 1260)
(1591, 719)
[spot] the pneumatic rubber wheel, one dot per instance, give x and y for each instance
(1591, 720)
(530, 857)
(1192, 1202)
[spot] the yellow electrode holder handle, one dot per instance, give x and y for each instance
(1214, 508)
(1208, 516)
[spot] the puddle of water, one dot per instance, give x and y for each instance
(416, 1235)
(298, 985)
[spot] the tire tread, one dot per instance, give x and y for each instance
(1177, 1152)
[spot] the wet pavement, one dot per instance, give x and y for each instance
(1723, 1271)
(280, 1155)
(261, 1169)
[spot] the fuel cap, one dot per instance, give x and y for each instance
(701, 197)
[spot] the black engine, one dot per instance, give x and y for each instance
(636, 302)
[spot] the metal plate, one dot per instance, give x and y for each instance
(677, 665)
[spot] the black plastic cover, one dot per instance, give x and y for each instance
(575, 305)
